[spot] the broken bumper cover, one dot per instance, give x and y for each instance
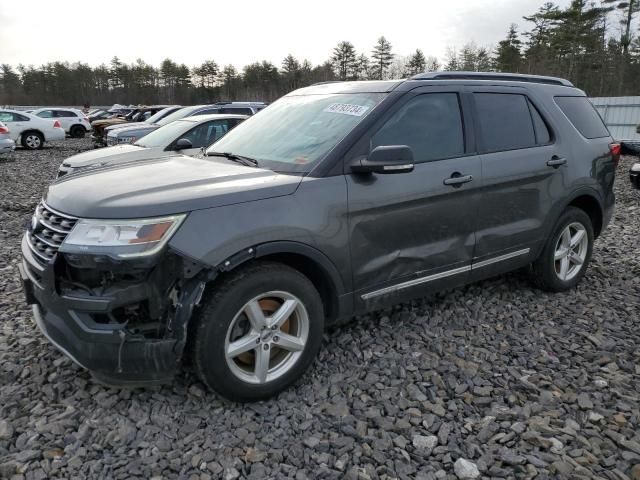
(112, 353)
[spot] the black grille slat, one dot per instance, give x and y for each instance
(51, 228)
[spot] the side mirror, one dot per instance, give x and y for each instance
(386, 159)
(183, 144)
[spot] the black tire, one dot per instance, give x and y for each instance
(220, 306)
(544, 272)
(32, 140)
(77, 131)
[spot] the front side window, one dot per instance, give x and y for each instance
(505, 121)
(207, 133)
(431, 124)
(298, 131)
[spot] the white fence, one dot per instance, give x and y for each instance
(621, 115)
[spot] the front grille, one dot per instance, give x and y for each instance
(47, 231)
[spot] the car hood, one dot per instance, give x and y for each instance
(109, 121)
(164, 186)
(118, 126)
(127, 130)
(117, 154)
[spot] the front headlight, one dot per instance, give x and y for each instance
(121, 238)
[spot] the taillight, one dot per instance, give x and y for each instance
(615, 149)
(4, 130)
(56, 124)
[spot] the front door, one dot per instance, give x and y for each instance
(415, 230)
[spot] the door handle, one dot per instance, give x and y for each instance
(556, 161)
(457, 179)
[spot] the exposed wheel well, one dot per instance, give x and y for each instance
(314, 272)
(592, 208)
(31, 130)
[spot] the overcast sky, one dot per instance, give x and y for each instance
(241, 32)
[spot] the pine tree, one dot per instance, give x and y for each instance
(508, 53)
(417, 63)
(381, 58)
(344, 60)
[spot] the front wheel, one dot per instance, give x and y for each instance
(257, 332)
(567, 252)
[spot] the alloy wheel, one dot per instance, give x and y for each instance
(571, 251)
(266, 337)
(32, 141)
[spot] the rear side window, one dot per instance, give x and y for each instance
(431, 124)
(64, 113)
(583, 115)
(237, 111)
(505, 121)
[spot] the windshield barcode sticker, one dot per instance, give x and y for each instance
(346, 109)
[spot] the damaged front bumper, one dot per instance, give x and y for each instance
(130, 331)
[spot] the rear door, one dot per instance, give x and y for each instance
(524, 175)
(66, 118)
(414, 231)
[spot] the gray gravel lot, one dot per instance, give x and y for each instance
(495, 380)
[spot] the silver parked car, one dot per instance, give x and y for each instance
(185, 137)
(7, 145)
(130, 133)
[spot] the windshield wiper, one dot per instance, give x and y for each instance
(246, 161)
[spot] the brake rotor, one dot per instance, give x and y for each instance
(269, 306)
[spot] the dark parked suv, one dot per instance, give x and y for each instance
(336, 200)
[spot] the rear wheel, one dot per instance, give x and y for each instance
(32, 140)
(77, 131)
(258, 332)
(567, 253)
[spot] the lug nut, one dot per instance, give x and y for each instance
(273, 327)
(266, 346)
(276, 338)
(257, 340)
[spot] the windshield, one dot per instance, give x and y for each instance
(158, 115)
(177, 115)
(163, 136)
(296, 132)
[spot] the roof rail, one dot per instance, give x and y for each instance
(325, 83)
(504, 77)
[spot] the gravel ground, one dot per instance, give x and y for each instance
(495, 380)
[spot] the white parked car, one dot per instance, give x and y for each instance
(74, 121)
(31, 131)
(7, 145)
(187, 136)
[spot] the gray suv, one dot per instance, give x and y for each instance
(338, 199)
